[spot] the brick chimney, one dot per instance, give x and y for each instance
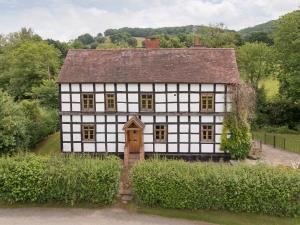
(151, 43)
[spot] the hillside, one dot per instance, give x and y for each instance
(264, 27)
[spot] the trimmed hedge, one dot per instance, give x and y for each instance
(69, 180)
(240, 188)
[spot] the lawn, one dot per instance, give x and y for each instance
(50, 145)
(219, 217)
(288, 142)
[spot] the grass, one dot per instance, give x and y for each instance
(50, 145)
(288, 142)
(271, 86)
(219, 217)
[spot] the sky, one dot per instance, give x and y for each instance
(66, 19)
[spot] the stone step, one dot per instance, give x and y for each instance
(126, 198)
(134, 156)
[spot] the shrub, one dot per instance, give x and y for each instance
(240, 188)
(58, 179)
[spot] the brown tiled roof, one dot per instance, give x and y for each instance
(189, 65)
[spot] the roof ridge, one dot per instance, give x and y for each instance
(149, 49)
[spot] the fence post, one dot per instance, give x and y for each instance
(284, 143)
(274, 141)
(265, 142)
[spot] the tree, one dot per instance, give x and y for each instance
(26, 66)
(287, 42)
(256, 61)
(13, 125)
(259, 36)
(86, 39)
(61, 46)
(47, 93)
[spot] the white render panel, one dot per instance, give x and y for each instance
(110, 87)
(207, 87)
(121, 137)
(195, 119)
(122, 118)
(121, 87)
(184, 119)
(160, 97)
(76, 128)
(101, 147)
(147, 119)
(76, 107)
(66, 118)
(183, 147)
(146, 87)
(184, 128)
(229, 106)
(77, 147)
(88, 119)
(99, 98)
(218, 138)
(66, 137)
(76, 119)
(65, 107)
(75, 97)
(220, 97)
(160, 147)
(184, 137)
(111, 127)
(100, 119)
(160, 119)
(88, 147)
(207, 119)
(195, 137)
(111, 137)
(183, 107)
(219, 107)
(66, 147)
(99, 107)
(194, 107)
(120, 127)
(219, 129)
(75, 88)
(65, 97)
(172, 138)
(172, 147)
(220, 87)
(121, 97)
(172, 87)
(133, 97)
(207, 148)
(218, 148)
(99, 87)
(183, 87)
(148, 129)
(100, 128)
(148, 138)
(172, 107)
(132, 87)
(172, 119)
(121, 147)
(194, 128)
(219, 119)
(160, 87)
(160, 107)
(194, 98)
(133, 107)
(64, 87)
(121, 107)
(172, 97)
(76, 137)
(229, 97)
(66, 128)
(194, 148)
(111, 118)
(111, 147)
(87, 87)
(172, 128)
(148, 147)
(195, 87)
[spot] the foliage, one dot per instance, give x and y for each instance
(123, 39)
(287, 43)
(61, 46)
(240, 188)
(56, 179)
(256, 61)
(47, 93)
(259, 36)
(13, 125)
(267, 28)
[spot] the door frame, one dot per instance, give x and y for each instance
(139, 135)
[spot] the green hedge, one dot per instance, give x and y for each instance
(240, 188)
(58, 179)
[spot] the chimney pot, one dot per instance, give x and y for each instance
(151, 43)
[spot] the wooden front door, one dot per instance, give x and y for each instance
(134, 140)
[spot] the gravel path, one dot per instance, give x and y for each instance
(71, 216)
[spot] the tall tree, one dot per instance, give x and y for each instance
(287, 42)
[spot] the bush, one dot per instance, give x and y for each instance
(57, 179)
(240, 188)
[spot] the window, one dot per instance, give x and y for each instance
(207, 102)
(110, 102)
(146, 102)
(88, 102)
(207, 133)
(160, 133)
(88, 132)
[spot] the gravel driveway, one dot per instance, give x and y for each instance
(70, 216)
